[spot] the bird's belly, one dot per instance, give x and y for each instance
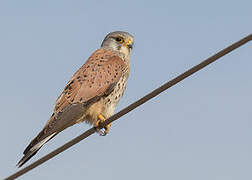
(113, 98)
(105, 106)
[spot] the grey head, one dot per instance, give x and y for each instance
(119, 41)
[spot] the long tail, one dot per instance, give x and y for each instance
(34, 146)
(57, 123)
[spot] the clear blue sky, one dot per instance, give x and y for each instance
(199, 129)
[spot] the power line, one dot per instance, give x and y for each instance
(133, 106)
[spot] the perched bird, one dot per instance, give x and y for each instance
(92, 93)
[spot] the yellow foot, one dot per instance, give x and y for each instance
(100, 120)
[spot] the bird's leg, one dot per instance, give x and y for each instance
(100, 120)
(107, 128)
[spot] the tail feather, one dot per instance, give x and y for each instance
(26, 157)
(57, 122)
(33, 147)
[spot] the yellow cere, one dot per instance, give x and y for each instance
(128, 42)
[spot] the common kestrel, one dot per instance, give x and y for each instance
(92, 93)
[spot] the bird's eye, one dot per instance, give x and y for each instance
(118, 39)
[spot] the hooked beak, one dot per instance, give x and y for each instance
(129, 44)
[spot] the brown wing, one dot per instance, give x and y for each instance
(95, 78)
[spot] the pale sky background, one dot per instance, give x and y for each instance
(200, 129)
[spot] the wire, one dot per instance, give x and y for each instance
(133, 106)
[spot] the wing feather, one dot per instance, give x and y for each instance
(95, 79)
(103, 69)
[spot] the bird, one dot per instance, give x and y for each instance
(93, 92)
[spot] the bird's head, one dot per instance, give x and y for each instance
(119, 41)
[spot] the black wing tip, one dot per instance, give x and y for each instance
(20, 163)
(26, 157)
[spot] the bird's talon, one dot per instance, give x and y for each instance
(100, 120)
(103, 134)
(99, 131)
(107, 128)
